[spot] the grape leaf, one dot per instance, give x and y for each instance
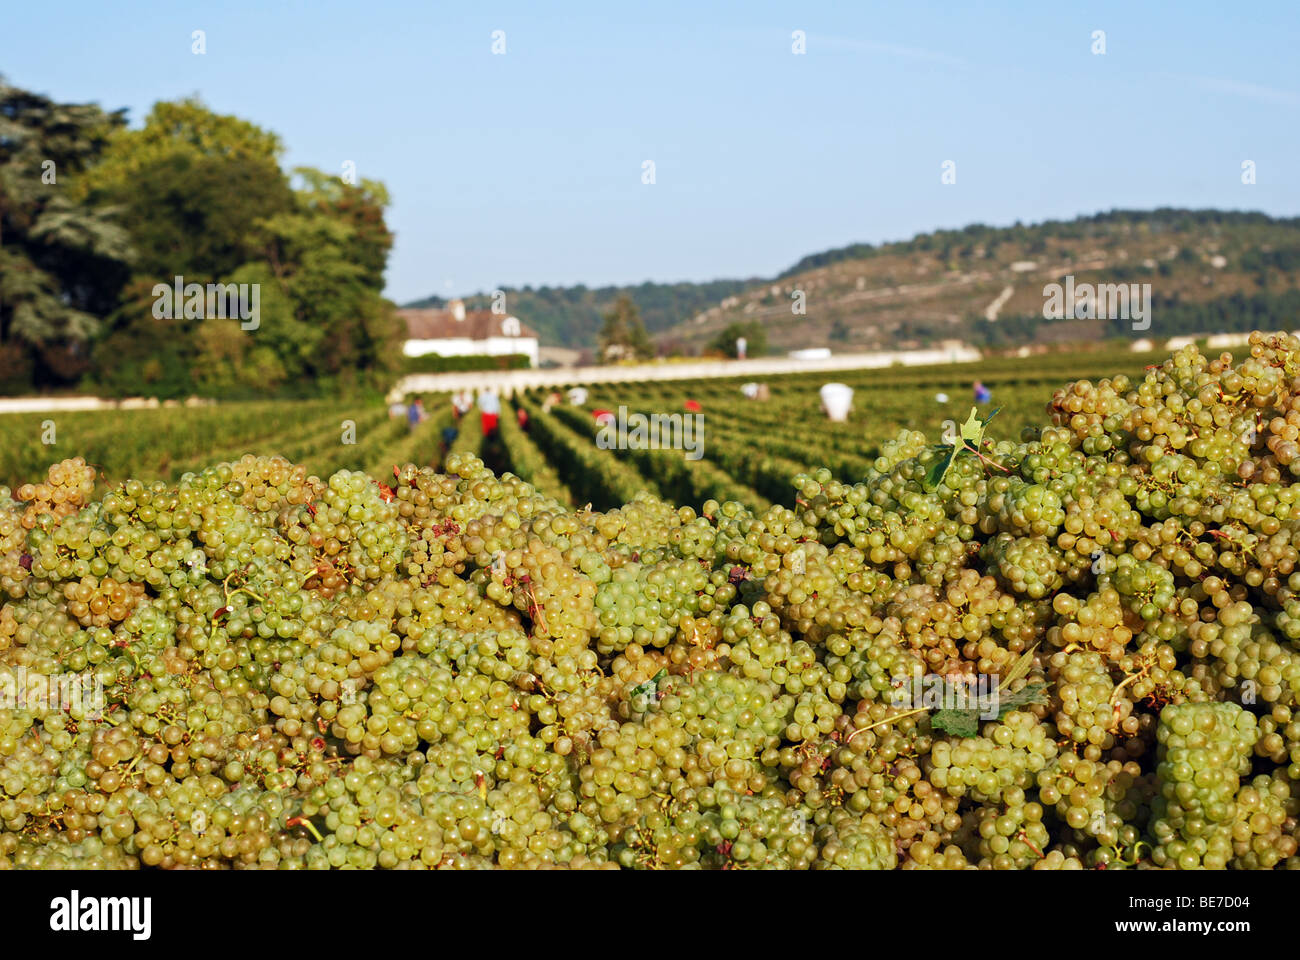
(972, 431)
(1029, 693)
(959, 723)
(648, 688)
(937, 470)
(966, 723)
(972, 441)
(1024, 663)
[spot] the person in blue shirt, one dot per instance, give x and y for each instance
(415, 413)
(982, 393)
(449, 435)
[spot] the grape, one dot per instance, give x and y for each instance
(1204, 750)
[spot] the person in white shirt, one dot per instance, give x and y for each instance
(489, 406)
(837, 400)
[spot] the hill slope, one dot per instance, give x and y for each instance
(1209, 270)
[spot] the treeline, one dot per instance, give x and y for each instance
(1032, 238)
(573, 316)
(97, 222)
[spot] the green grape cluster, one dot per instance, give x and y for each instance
(1008, 755)
(1205, 748)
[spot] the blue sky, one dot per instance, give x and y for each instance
(527, 167)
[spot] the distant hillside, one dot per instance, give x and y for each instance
(1209, 270)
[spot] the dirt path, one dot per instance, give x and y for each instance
(991, 311)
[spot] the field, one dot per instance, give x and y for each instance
(757, 445)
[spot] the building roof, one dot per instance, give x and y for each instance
(443, 325)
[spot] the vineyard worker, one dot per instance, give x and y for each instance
(741, 346)
(553, 399)
(578, 396)
(982, 393)
(522, 416)
(415, 413)
(837, 400)
(489, 406)
(449, 435)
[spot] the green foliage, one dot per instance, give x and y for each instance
(182, 127)
(144, 355)
(359, 206)
(755, 335)
(61, 261)
(190, 214)
(623, 336)
(433, 363)
(206, 200)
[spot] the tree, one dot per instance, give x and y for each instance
(142, 353)
(340, 321)
(185, 127)
(623, 336)
(207, 201)
(755, 335)
(62, 262)
(192, 215)
(191, 183)
(361, 207)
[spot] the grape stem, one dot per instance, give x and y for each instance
(225, 585)
(881, 723)
(1024, 838)
(304, 822)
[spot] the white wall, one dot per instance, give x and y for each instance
(509, 381)
(57, 404)
(466, 347)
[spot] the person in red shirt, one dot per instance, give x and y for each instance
(522, 416)
(693, 406)
(489, 405)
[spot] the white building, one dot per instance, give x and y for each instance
(457, 332)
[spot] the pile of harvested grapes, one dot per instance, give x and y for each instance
(1072, 650)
